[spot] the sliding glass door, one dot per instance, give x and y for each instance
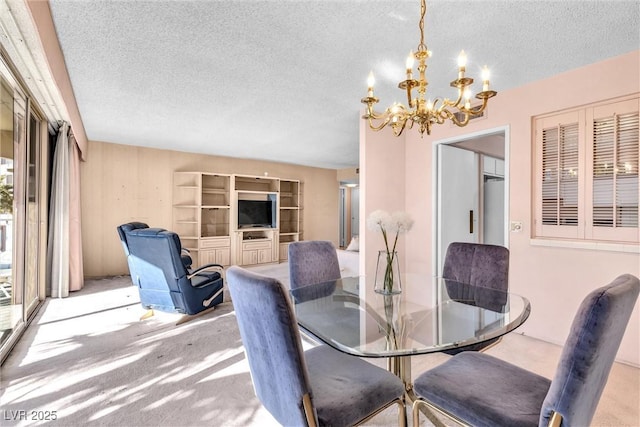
(11, 291)
(22, 132)
(32, 227)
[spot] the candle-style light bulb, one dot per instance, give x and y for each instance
(467, 97)
(409, 65)
(485, 78)
(429, 104)
(462, 63)
(462, 59)
(394, 112)
(370, 82)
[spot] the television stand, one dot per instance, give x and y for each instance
(256, 246)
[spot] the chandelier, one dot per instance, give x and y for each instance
(422, 111)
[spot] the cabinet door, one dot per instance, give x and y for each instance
(264, 255)
(249, 257)
(284, 251)
(222, 256)
(207, 257)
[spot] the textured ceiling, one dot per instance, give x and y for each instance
(282, 80)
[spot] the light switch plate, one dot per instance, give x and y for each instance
(516, 226)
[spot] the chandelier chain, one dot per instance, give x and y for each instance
(423, 11)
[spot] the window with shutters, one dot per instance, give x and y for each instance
(587, 184)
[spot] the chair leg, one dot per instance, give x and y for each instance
(402, 416)
(308, 410)
(147, 314)
(427, 412)
(189, 317)
(430, 412)
(210, 300)
(556, 420)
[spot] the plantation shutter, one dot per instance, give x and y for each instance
(587, 180)
(615, 185)
(559, 176)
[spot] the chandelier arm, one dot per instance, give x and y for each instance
(448, 103)
(387, 117)
(440, 116)
(395, 131)
(434, 105)
(371, 114)
(451, 116)
(400, 110)
(480, 108)
(384, 123)
(378, 116)
(439, 112)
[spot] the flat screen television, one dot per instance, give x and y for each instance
(256, 213)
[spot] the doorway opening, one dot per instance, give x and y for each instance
(349, 205)
(471, 195)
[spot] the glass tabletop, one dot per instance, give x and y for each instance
(386, 326)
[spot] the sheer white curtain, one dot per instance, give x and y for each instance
(64, 250)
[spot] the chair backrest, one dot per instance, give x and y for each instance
(272, 344)
(589, 352)
(159, 271)
(122, 229)
(477, 264)
(312, 261)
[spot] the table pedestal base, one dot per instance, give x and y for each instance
(401, 367)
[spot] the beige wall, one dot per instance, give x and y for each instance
(348, 174)
(555, 280)
(122, 183)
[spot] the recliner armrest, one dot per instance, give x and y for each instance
(208, 267)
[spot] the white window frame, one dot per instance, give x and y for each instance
(584, 230)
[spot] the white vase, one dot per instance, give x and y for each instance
(387, 280)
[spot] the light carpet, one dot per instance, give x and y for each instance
(89, 360)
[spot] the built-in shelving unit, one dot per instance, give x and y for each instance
(206, 217)
(201, 212)
(257, 244)
(290, 216)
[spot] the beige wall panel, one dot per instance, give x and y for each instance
(122, 183)
(349, 174)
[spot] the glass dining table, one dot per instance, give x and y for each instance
(451, 315)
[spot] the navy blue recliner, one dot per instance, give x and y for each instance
(186, 257)
(158, 269)
(122, 229)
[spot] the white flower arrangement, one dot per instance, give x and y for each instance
(398, 223)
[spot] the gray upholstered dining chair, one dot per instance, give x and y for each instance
(481, 390)
(320, 386)
(477, 265)
(312, 261)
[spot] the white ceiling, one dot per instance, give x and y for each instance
(282, 80)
